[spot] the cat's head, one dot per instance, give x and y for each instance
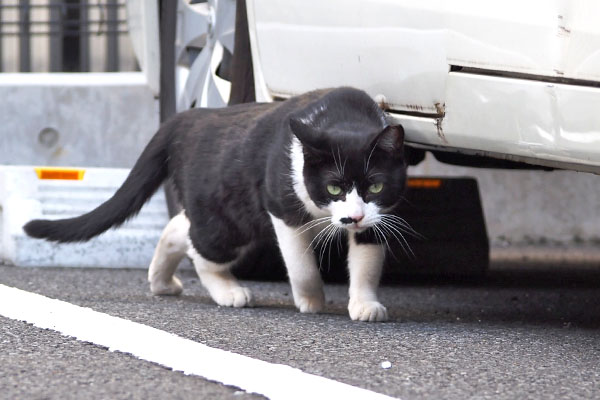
(347, 160)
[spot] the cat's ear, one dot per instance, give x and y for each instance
(391, 139)
(306, 133)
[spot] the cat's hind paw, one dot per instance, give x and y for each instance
(234, 297)
(370, 311)
(172, 287)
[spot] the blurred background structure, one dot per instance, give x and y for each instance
(65, 36)
(76, 93)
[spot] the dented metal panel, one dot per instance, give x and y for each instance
(516, 119)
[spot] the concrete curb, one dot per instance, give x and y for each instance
(24, 197)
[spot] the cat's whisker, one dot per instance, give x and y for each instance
(311, 224)
(328, 244)
(407, 230)
(370, 221)
(396, 217)
(325, 241)
(338, 235)
(399, 237)
(339, 241)
(402, 198)
(403, 225)
(393, 228)
(322, 250)
(345, 160)
(310, 228)
(336, 163)
(383, 238)
(407, 251)
(318, 238)
(370, 154)
(390, 230)
(314, 220)
(400, 221)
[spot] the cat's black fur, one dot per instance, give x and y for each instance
(231, 167)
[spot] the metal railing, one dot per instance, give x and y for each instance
(64, 35)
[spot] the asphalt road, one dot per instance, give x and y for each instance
(520, 333)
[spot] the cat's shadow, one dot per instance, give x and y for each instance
(566, 297)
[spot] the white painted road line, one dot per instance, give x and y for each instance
(275, 381)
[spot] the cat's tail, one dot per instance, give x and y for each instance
(146, 176)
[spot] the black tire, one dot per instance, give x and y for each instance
(168, 22)
(242, 74)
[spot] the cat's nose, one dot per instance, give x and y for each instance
(352, 220)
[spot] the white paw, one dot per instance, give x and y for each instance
(371, 311)
(310, 304)
(173, 287)
(234, 297)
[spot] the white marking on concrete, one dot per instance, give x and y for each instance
(275, 381)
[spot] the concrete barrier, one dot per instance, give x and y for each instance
(89, 120)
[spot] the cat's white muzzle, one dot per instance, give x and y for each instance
(353, 213)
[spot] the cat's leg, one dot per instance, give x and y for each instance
(169, 252)
(305, 279)
(365, 263)
(222, 286)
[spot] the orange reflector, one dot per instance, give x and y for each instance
(60, 173)
(424, 183)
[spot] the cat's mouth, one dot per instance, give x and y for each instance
(353, 225)
(355, 228)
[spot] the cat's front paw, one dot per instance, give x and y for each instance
(234, 297)
(371, 311)
(310, 304)
(172, 287)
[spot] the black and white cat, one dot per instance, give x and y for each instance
(307, 169)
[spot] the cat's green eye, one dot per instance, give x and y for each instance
(376, 188)
(334, 190)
